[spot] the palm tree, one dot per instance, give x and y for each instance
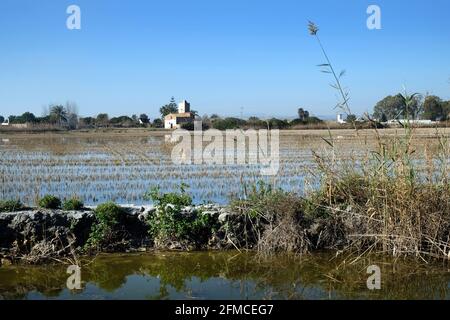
(58, 114)
(195, 113)
(303, 114)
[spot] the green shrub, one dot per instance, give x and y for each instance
(170, 224)
(105, 231)
(277, 124)
(228, 123)
(50, 202)
(73, 204)
(190, 126)
(10, 205)
(174, 198)
(309, 120)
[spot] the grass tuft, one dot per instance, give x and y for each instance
(10, 205)
(49, 202)
(73, 204)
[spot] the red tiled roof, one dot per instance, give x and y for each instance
(179, 115)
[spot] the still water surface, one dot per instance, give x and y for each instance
(228, 275)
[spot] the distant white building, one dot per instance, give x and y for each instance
(340, 118)
(184, 115)
(5, 122)
(403, 122)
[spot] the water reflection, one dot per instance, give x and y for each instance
(226, 275)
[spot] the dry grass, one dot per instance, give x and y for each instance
(275, 220)
(393, 198)
(395, 201)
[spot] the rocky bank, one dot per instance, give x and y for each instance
(36, 235)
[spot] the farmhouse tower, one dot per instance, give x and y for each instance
(184, 107)
(176, 120)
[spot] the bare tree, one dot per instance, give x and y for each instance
(72, 114)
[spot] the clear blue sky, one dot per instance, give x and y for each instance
(221, 55)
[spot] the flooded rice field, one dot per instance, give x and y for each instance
(122, 165)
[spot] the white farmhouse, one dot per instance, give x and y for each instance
(184, 115)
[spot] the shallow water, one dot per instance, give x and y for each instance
(227, 275)
(122, 167)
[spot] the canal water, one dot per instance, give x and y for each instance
(228, 275)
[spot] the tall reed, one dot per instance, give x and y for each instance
(389, 201)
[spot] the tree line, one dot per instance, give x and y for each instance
(429, 107)
(57, 115)
(224, 123)
(60, 116)
(67, 117)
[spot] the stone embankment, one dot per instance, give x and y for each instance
(37, 234)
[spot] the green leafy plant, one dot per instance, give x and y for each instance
(169, 223)
(105, 230)
(73, 204)
(178, 199)
(49, 202)
(10, 205)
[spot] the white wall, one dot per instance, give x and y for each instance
(170, 124)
